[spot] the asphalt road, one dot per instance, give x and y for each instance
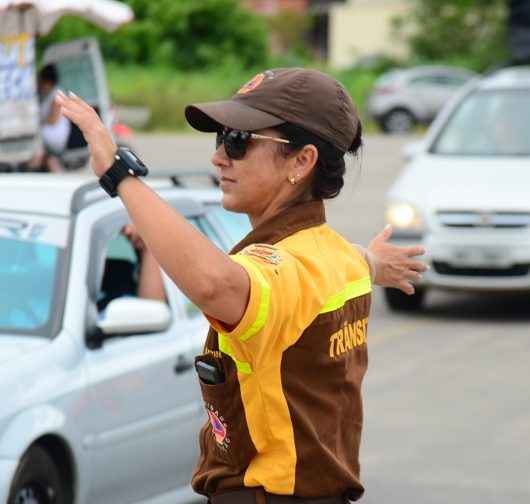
(447, 410)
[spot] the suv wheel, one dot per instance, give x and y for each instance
(37, 480)
(398, 121)
(399, 301)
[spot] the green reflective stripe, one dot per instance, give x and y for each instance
(352, 290)
(224, 346)
(265, 298)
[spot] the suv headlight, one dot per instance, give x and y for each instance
(404, 216)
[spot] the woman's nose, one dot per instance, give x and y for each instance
(219, 158)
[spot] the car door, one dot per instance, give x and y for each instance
(81, 70)
(145, 399)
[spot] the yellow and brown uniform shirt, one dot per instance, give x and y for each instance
(288, 416)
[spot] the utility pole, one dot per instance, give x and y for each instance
(519, 31)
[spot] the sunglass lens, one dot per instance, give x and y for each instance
(236, 143)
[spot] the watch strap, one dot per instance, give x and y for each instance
(119, 170)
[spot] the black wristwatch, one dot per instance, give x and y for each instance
(126, 164)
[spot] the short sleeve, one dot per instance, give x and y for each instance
(283, 300)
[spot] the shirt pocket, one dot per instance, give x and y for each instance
(227, 439)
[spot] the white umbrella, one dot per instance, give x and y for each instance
(107, 14)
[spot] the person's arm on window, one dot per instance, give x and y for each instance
(150, 281)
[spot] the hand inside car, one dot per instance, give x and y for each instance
(395, 265)
(131, 233)
(100, 142)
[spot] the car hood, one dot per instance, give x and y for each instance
(473, 183)
(13, 347)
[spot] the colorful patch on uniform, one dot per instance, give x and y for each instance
(265, 252)
(219, 427)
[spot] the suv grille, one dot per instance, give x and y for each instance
(443, 268)
(466, 219)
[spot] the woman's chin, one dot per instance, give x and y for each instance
(231, 204)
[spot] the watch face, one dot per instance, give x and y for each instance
(132, 161)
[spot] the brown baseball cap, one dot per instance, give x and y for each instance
(307, 98)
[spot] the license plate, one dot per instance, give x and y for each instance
(481, 257)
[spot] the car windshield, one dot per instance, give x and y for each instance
(235, 225)
(32, 250)
(488, 123)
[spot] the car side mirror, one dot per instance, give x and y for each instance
(129, 315)
(412, 149)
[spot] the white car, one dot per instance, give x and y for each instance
(95, 407)
(465, 191)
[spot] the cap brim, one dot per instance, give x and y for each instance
(212, 116)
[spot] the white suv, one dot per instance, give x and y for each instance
(95, 407)
(465, 191)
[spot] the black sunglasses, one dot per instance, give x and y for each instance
(236, 141)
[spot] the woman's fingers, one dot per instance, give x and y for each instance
(417, 266)
(414, 251)
(406, 287)
(78, 111)
(101, 144)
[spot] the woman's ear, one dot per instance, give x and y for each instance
(306, 160)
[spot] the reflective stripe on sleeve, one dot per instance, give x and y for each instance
(352, 290)
(265, 297)
(224, 346)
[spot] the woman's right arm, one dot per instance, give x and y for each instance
(207, 276)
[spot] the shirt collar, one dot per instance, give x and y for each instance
(287, 222)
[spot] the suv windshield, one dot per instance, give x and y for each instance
(488, 123)
(32, 250)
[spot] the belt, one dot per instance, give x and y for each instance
(260, 496)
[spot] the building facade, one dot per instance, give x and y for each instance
(361, 28)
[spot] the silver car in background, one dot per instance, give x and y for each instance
(465, 192)
(405, 97)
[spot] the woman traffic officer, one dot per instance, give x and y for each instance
(286, 353)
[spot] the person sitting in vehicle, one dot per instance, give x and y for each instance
(55, 128)
(122, 277)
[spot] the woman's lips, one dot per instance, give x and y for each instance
(226, 180)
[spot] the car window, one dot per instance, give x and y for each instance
(451, 80)
(235, 225)
(32, 257)
(120, 274)
(424, 80)
(77, 74)
(488, 123)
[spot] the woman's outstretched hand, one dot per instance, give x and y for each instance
(396, 266)
(100, 142)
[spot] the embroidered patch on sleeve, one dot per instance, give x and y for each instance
(265, 252)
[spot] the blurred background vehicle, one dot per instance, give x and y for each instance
(464, 193)
(80, 69)
(403, 98)
(97, 406)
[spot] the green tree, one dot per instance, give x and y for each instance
(189, 35)
(471, 33)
